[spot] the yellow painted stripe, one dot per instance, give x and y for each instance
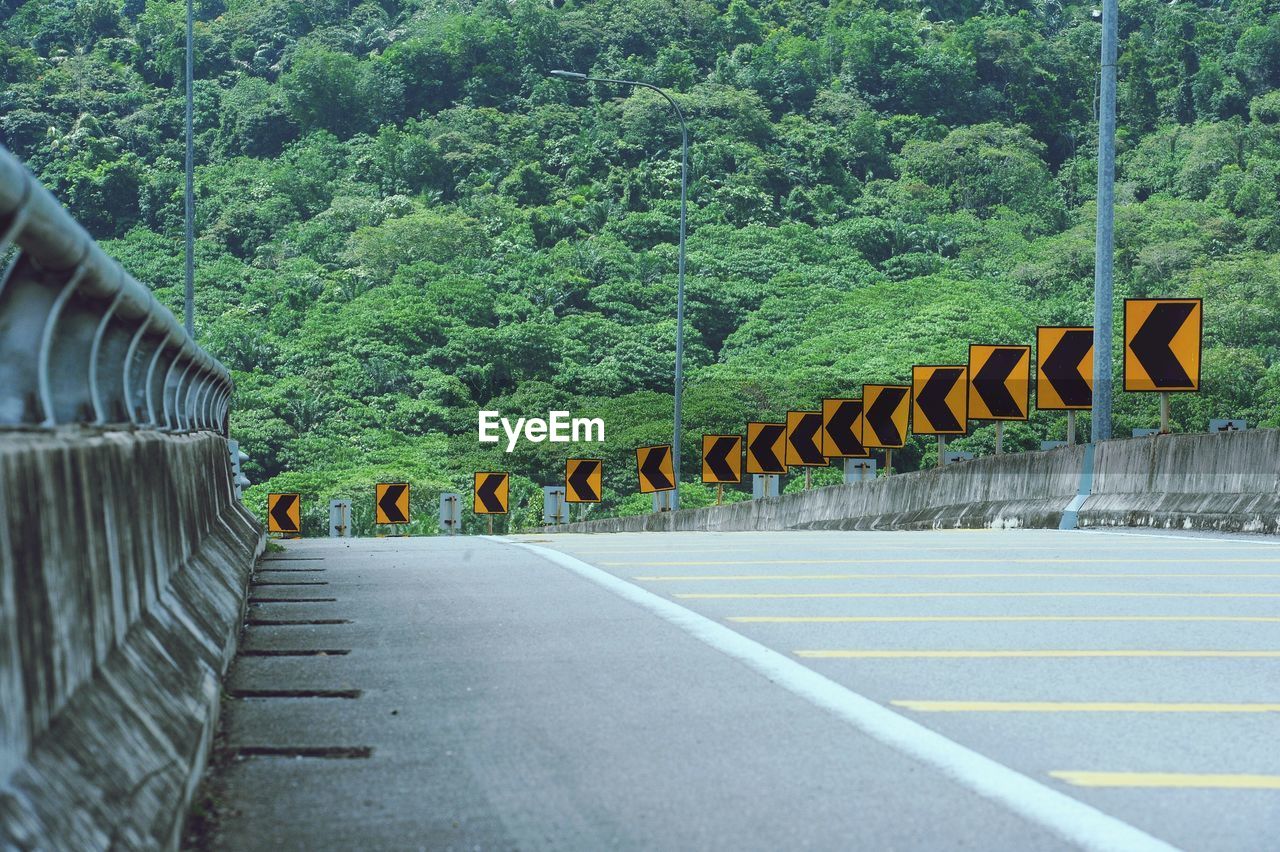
(694, 578)
(945, 560)
(1195, 781)
(860, 654)
(880, 619)
(1081, 707)
(790, 595)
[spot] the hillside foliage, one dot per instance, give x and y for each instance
(402, 219)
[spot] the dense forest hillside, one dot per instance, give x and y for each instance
(401, 219)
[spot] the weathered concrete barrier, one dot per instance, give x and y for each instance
(1228, 482)
(124, 559)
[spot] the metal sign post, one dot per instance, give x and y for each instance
(859, 470)
(1221, 425)
(339, 519)
(764, 485)
(1164, 412)
(555, 510)
(450, 512)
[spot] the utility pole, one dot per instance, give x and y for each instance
(684, 200)
(1104, 249)
(190, 298)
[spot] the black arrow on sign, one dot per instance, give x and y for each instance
(652, 469)
(580, 479)
(280, 513)
(880, 416)
(1151, 344)
(804, 439)
(718, 458)
(388, 504)
(933, 399)
(487, 492)
(840, 428)
(1062, 368)
(762, 446)
(989, 383)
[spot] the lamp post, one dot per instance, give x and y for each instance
(1104, 248)
(189, 300)
(684, 194)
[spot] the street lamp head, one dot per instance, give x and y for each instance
(569, 75)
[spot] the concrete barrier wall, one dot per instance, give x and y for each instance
(1228, 482)
(124, 559)
(1225, 482)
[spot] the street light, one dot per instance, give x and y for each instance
(189, 293)
(684, 192)
(1104, 246)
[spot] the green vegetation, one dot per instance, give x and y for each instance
(402, 219)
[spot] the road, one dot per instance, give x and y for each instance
(830, 690)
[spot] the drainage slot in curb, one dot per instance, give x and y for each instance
(289, 583)
(292, 570)
(289, 652)
(293, 559)
(291, 600)
(294, 693)
(290, 622)
(330, 752)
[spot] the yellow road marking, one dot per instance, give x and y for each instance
(943, 560)
(694, 578)
(789, 595)
(878, 619)
(1081, 707)
(1209, 781)
(858, 654)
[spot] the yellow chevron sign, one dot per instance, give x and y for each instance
(284, 513)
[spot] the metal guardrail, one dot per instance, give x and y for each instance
(81, 341)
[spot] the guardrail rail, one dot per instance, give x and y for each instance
(81, 340)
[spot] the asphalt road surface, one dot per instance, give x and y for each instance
(983, 690)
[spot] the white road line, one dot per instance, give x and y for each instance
(1236, 538)
(1072, 820)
